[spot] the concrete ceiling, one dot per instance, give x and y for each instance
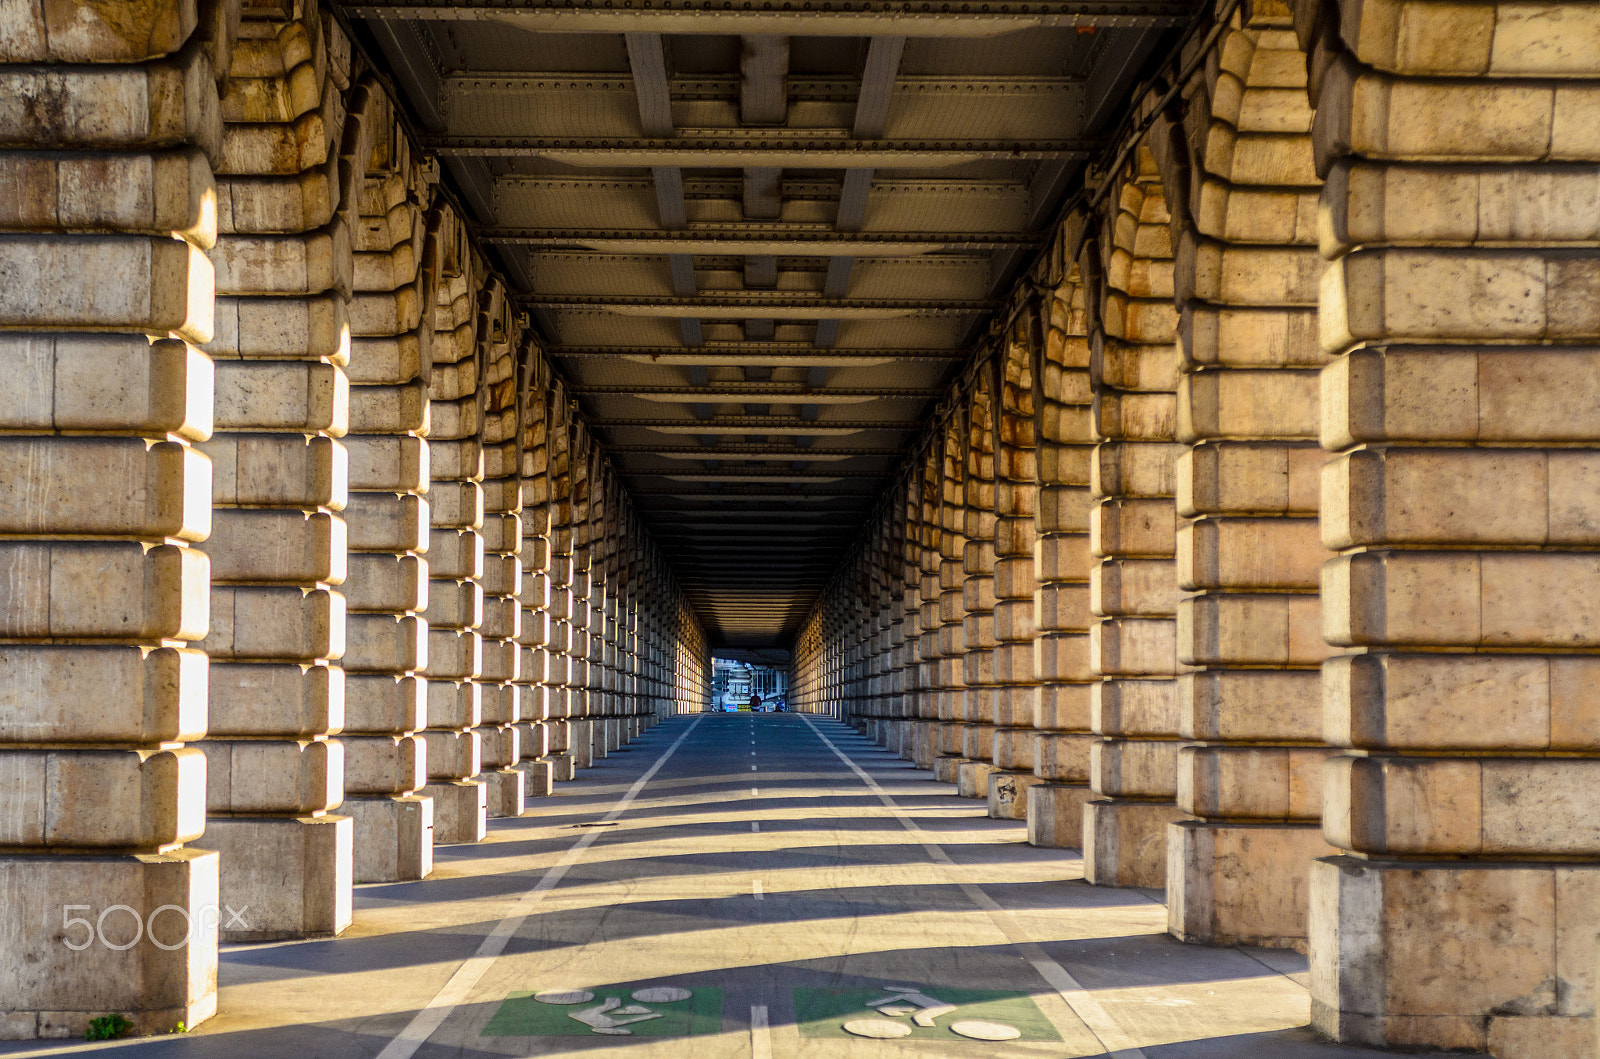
(760, 240)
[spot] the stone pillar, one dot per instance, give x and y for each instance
(861, 640)
(625, 664)
(873, 637)
(278, 543)
(601, 608)
(977, 591)
(1132, 588)
(1248, 545)
(952, 608)
(502, 568)
(908, 649)
(575, 606)
(1061, 566)
(1459, 302)
(566, 729)
(1016, 497)
(455, 557)
(930, 652)
(103, 494)
(533, 634)
(385, 589)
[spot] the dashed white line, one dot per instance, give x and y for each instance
(755, 825)
(754, 792)
(755, 889)
(1084, 1004)
(760, 1033)
(466, 977)
(752, 768)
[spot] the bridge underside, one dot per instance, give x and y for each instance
(1173, 424)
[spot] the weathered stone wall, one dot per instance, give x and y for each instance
(1016, 498)
(1438, 154)
(284, 279)
(265, 468)
(926, 480)
(1239, 170)
(537, 724)
(502, 546)
(455, 550)
(1061, 568)
(979, 445)
(1461, 308)
(1132, 531)
(385, 588)
(109, 213)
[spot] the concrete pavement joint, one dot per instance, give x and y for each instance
(466, 977)
(1083, 1003)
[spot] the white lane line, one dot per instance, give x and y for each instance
(752, 768)
(755, 825)
(467, 976)
(754, 792)
(1083, 1003)
(755, 889)
(760, 1033)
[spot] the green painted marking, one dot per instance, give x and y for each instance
(522, 1016)
(823, 1012)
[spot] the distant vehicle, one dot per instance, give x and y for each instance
(779, 706)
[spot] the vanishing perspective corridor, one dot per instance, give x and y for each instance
(779, 874)
(1141, 458)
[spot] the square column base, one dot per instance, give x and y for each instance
(947, 769)
(1241, 884)
(1125, 843)
(563, 766)
(583, 748)
(977, 742)
(1485, 957)
(49, 990)
(460, 811)
(972, 779)
(927, 745)
(504, 792)
(393, 837)
(613, 733)
(1008, 794)
(283, 876)
(537, 777)
(1055, 814)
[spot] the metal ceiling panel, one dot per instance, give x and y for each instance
(759, 238)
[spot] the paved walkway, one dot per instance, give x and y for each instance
(736, 885)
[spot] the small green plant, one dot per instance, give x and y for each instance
(182, 1027)
(106, 1028)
